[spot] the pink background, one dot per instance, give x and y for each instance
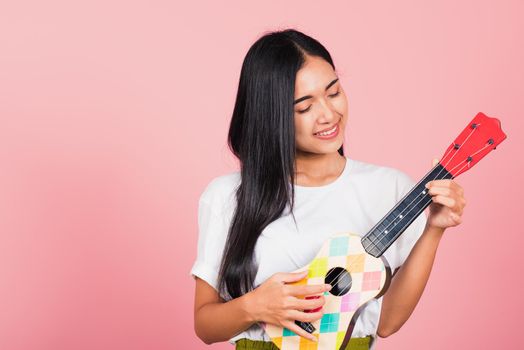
(114, 117)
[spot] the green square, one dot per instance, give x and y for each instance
(288, 333)
(339, 246)
(329, 323)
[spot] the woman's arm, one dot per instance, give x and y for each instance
(274, 301)
(216, 320)
(408, 283)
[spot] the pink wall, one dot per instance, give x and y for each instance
(114, 117)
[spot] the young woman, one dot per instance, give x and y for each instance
(295, 189)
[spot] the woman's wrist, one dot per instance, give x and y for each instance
(249, 307)
(434, 231)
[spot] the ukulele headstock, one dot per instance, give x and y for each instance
(482, 135)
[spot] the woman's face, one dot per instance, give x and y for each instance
(321, 108)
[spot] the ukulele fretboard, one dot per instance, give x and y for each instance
(391, 226)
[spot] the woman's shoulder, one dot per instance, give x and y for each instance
(380, 174)
(373, 169)
(221, 188)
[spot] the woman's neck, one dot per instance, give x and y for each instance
(318, 169)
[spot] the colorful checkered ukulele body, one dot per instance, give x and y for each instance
(354, 265)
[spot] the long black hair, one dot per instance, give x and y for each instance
(262, 136)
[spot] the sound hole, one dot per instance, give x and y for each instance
(340, 281)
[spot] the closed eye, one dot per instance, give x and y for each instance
(305, 110)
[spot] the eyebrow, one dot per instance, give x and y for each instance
(309, 96)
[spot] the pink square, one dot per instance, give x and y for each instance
(371, 280)
(349, 302)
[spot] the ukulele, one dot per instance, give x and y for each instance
(354, 266)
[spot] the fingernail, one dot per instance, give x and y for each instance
(328, 287)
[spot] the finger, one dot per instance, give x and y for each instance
(309, 304)
(457, 201)
(459, 188)
(448, 192)
(293, 327)
(288, 277)
(445, 191)
(446, 201)
(309, 289)
(457, 218)
(441, 183)
(305, 316)
(435, 161)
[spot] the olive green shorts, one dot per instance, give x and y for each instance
(248, 344)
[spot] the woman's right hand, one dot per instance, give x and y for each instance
(277, 302)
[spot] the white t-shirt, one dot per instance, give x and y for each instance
(354, 202)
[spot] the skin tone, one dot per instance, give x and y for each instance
(318, 163)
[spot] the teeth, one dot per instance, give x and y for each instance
(329, 132)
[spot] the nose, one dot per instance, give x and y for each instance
(327, 112)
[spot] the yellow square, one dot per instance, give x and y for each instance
(318, 268)
(340, 338)
(306, 344)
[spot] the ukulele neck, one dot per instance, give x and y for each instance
(395, 222)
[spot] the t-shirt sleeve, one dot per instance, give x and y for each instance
(398, 252)
(212, 233)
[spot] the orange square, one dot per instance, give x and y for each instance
(355, 263)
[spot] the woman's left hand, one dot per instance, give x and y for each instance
(448, 202)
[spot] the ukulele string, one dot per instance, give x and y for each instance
(379, 238)
(447, 153)
(465, 165)
(472, 155)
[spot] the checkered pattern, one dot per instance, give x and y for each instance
(368, 276)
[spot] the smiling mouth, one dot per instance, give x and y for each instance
(328, 132)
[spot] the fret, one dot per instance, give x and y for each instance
(397, 220)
